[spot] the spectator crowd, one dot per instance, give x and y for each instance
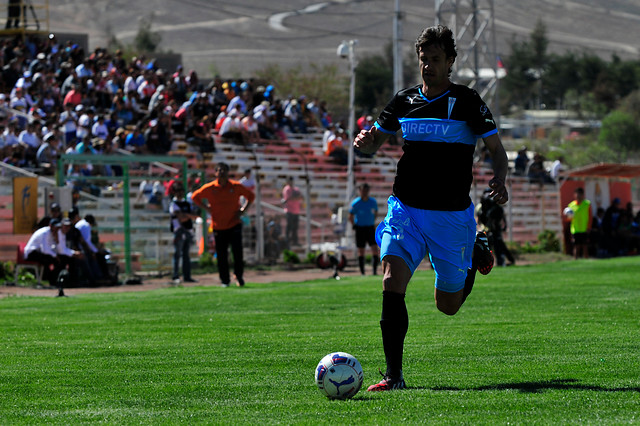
(55, 98)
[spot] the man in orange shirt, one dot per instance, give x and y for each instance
(223, 203)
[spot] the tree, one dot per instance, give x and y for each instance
(527, 64)
(323, 83)
(374, 82)
(621, 132)
(560, 77)
(147, 40)
(631, 104)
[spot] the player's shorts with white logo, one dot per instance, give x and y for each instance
(447, 236)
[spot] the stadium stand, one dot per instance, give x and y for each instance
(152, 111)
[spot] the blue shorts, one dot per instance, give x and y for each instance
(447, 236)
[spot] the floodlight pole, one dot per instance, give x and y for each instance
(347, 49)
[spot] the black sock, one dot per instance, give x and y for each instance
(468, 282)
(394, 323)
(375, 260)
(361, 263)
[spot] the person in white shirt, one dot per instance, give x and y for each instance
(557, 168)
(231, 129)
(29, 138)
(100, 129)
(84, 226)
(248, 181)
(48, 247)
(68, 122)
(10, 135)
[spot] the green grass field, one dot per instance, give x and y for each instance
(542, 344)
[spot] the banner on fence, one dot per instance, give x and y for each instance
(25, 204)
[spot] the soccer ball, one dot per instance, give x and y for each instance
(568, 212)
(339, 375)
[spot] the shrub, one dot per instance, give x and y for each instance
(206, 262)
(548, 241)
(311, 257)
(290, 256)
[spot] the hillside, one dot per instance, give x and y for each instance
(234, 38)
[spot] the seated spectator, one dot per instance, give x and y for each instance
(231, 129)
(112, 123)
(135, 142)
(484, 158)
(119, 140)
(159, 98)
(294, 117)
(74, 97)
(329, 134)
(247, 180)
(152, 139)
(15, 157)
(364, 122)
(11, 134)
(153, 194)
(521, 162)
(30, 140)
(262, 117)
(47, 246)
(537, 173)
(75, 179)
(47, 154)
(86, 269)
(99, 128)
(201, 106)
(69, 122)
(123, 110)
(336, 149)
(49, 102)
(200, 135)
(250, 127)
(54, 213)
(557, 169)
(85, 146)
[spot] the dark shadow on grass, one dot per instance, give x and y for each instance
(535, 387)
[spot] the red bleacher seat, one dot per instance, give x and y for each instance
(21, 264)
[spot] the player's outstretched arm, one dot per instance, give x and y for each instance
(500, 167)
(369, 141)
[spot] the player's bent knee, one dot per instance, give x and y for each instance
(448, 303)
(447, 309)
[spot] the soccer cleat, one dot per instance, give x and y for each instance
(482, 255)
(388, 383)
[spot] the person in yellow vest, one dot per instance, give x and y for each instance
(579, 211)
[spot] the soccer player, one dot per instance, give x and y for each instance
(362, 215)
(430, 209)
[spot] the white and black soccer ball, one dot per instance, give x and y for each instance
(339, 375)
(568, 212)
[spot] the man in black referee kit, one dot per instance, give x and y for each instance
(430, 210)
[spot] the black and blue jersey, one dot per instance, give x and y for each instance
(435, 170)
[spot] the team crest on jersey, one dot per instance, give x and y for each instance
(452, 102)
